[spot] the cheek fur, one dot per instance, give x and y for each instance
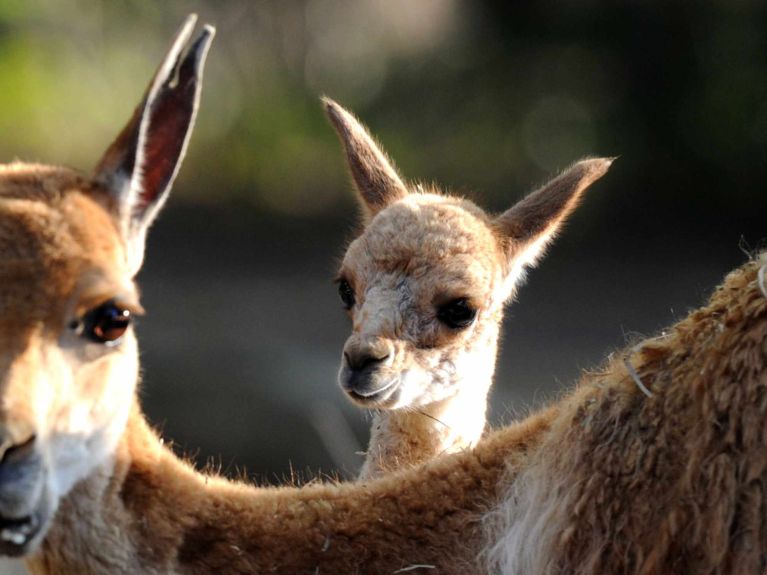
(90, 414)
(425, 375)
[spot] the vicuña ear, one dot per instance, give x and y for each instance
(374, 176)
(534, 221)
(139, 167)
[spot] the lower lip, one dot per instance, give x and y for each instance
(378, 397)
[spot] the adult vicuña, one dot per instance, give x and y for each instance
(425, 285)
(669, 476)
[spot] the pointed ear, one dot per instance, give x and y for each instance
(374, 176)
(533, 222)
(139, 167)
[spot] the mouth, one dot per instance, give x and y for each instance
(17, 533)
(375, 398)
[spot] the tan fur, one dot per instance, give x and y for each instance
(626, 483)
(607, 480)
(150, 513)
(671, 483)
(417, 252)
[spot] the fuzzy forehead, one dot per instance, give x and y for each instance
(423, 232)
(52, 234)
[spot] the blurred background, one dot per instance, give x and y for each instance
(244, 331)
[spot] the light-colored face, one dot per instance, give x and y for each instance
(427, 280)
(68, 358)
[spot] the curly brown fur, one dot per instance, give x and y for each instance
(672, 483)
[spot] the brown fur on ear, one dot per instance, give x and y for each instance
(533, 221)
(374, 176)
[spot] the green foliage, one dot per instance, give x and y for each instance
(477, 96)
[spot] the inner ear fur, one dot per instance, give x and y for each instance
(534, 221)
(374, 176)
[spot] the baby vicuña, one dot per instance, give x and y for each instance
(425, 285)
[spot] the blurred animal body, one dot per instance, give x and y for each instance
(425, 285)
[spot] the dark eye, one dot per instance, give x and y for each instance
(456, 314)
(105, 324)
(347, 294)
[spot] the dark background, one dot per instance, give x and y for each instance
(244, 331)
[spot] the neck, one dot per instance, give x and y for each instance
(146, 511)
(406, 437)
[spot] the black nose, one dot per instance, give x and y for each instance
(363, 359)
(16, 461)
(15, 452)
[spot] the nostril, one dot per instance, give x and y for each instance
(371, 360)
(358, 362)
(19, 451)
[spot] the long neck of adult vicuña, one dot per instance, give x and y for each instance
(149, 512)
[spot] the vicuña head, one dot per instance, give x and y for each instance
(70, 246)
(425, 285)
